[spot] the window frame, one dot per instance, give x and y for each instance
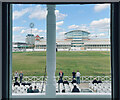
(6, 55)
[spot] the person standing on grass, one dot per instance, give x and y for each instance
(61, 74)
(21, 76)
(73, 74)
(78, 77)
(16, 76)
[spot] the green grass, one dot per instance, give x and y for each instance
(89, 63)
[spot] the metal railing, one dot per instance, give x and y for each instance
(83, 79)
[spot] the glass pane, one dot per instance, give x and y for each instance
(29, 48)
(83, 48)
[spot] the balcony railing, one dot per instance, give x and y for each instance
(83, 79)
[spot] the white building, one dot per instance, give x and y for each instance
(30, 39)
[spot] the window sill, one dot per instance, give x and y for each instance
(64, 95)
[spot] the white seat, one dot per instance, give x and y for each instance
(61, 87)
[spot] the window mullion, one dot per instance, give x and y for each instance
(51, 52)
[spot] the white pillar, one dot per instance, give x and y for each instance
(51, 52)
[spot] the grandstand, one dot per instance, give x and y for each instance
(75, 40)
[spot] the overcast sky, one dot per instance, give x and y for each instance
(93, 18)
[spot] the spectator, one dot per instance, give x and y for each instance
(61, 74)
(75, 89)
(36, 90)
(21, 76)
(26, 84)
(94, 81)
(56, 50)
(99, 81)
(29, 90)
(73, 74)
(63, 91)
(16, 83)
(73, 81)
(65, 82)
(78, 77)
(60, 81)
(16, 76)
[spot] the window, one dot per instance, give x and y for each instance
(29, 61)
(5, 39)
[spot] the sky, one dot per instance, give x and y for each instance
(93, 18)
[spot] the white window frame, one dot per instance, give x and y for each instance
(63, 95)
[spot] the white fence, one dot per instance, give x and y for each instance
(23, 50)
(83, 79)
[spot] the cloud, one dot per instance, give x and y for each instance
(17, 28)
(102, 25)
(18, 14)
(102, 34)
(18, 38)
(100, 7)
(92, 35)
(58, 28)
(97, 35)
(101, 22)
(59, 16)
(38, 12)
(42, 13)
(79, 27)
(62, 33)
(100, 28)
(35, 31)
(97, 28)
(60, 23)
(73, 27)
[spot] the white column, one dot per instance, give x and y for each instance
(0, 50)
(51, 52)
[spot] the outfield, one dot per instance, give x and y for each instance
(89, 63)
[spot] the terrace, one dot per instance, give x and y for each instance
(85, 86)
